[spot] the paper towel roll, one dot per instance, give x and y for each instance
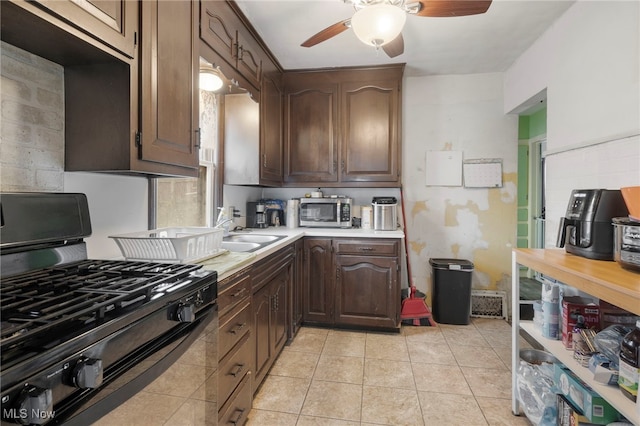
(292, 213)
(367, 219)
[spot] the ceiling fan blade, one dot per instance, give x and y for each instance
(327, 33)
(395, 47)
(445, 8)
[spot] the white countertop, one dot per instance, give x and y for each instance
(228, 264)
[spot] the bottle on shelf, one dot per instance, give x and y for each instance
(630, 363)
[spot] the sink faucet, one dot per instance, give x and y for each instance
(224, 224)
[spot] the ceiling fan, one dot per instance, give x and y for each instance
(379, 23)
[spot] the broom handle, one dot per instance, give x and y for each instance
(406, 239)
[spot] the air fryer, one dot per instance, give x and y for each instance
(586, 230)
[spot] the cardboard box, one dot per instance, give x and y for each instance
(572, 308)
(584, 399)
(569, 415)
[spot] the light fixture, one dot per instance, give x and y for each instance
(378, 24)
(210, 80)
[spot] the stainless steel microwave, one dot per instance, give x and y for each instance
(325, 212)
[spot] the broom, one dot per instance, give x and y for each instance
(412, 308)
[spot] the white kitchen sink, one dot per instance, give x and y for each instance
(252, 238)
(240, 246)
(248, 242)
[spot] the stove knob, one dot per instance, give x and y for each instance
(186, 312)
(87, 374)
(35, 406)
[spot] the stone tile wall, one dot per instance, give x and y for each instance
(32, 122)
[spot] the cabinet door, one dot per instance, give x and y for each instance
(114, 22)
(370, 150)
(262, 308)
(218, 26)
(249, 58)
(279, 310)
(311, 134)
(319, 281)
(297, 288)
(169, 68)
(367, 291)
(271, 128)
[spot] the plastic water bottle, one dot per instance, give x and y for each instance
(630, 363)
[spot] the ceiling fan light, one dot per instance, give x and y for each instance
(209, 80)
(378, 24)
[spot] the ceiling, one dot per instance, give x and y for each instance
(458, 45)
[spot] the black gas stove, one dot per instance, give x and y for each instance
(71, 327)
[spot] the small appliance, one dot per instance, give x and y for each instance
(326, 212)
(586, 229)
(626, 244)
(385, 213)
(256, 214)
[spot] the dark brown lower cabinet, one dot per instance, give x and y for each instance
(271, 279)
(352, 282)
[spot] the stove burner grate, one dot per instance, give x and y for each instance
(37, 305)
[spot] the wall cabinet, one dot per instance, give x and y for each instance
(130, 80)
(271, 126)
(270, 282)
(342, 127)
(223, 30)
(114, 23)
(352, 282)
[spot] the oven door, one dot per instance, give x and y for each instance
(319, 213)
(126, 371)
(144, 367)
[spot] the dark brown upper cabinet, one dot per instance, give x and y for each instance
(342, 127)
(311, 130)
(168, 84)
(113, 22)
(226, 33)
(129, 108)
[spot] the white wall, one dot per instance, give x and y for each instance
(459, 113)
(117, 205)
(588, 61)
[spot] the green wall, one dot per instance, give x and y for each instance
(529, 127)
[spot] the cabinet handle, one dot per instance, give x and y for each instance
(335, 166)
(343, 167)
(237, 328)
(237, 416)
(237, 369)
(239, 292)
(240, 52)
(198, 137)
(366, 249)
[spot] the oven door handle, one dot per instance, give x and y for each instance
(113, 400)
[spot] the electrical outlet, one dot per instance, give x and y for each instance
(230, 210)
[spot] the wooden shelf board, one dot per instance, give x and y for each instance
(602, 279)
(612, 394)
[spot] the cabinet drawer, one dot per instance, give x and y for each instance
(234, 290)
(233, 327)
(367, 247)
(236, 410)
(234, 367)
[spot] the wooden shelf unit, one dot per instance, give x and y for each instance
(601, 279)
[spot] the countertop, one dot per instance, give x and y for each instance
(231, 262)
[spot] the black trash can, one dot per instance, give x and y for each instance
(451, 290)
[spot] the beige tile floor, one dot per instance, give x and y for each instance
(445, 375)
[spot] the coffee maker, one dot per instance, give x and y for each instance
(587, 230)
(256, 214)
